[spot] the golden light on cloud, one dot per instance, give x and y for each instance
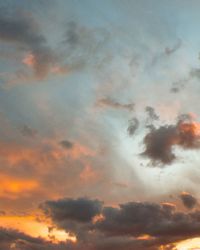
(98, 218)
(30, 226)
(191, 244)
(145, 237)
(57, 235)
(11, 186)
(192, 128)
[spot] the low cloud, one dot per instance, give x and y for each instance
(131, 225)
(79, 210)
(159, 142)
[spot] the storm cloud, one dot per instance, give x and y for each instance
(80, 210)
(125, 224)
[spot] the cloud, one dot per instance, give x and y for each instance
(22, 30)
(159, 142)
(13, 239)
(13, 187)
(110, 103)
(188, 200)
(72, 35)
(9, 237)
(133, 125)
(85, 46)
(131, 225)
(152, 116)
(79, 210)
(28, 132)
(179, 85)
(66, 144)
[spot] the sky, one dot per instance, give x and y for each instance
(99, 125)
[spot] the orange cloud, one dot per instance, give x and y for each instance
(31, 226)
(13, 187)
(29, 60)
(88, 174)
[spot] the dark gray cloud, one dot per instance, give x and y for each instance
(110, 103)
(23, 31)
(66, 144)
(123, 226)
(8, 235)
(79, 210)
(159, 142)
(189, 201)
(152, 116)
(133, 126)
(12, 239)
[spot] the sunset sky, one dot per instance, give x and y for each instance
(99, 125)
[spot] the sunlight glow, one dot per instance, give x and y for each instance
(191, 244)
(29, 225)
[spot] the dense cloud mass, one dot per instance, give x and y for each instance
(95, 98)
(124, 225)
(11, 239)
(159, 142)
(105, 227)
(188, 200)
(80, 210)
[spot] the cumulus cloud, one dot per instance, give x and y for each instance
(159, 142)
(110, 103)
(133, 225)
(80, 210)
(189, 201)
